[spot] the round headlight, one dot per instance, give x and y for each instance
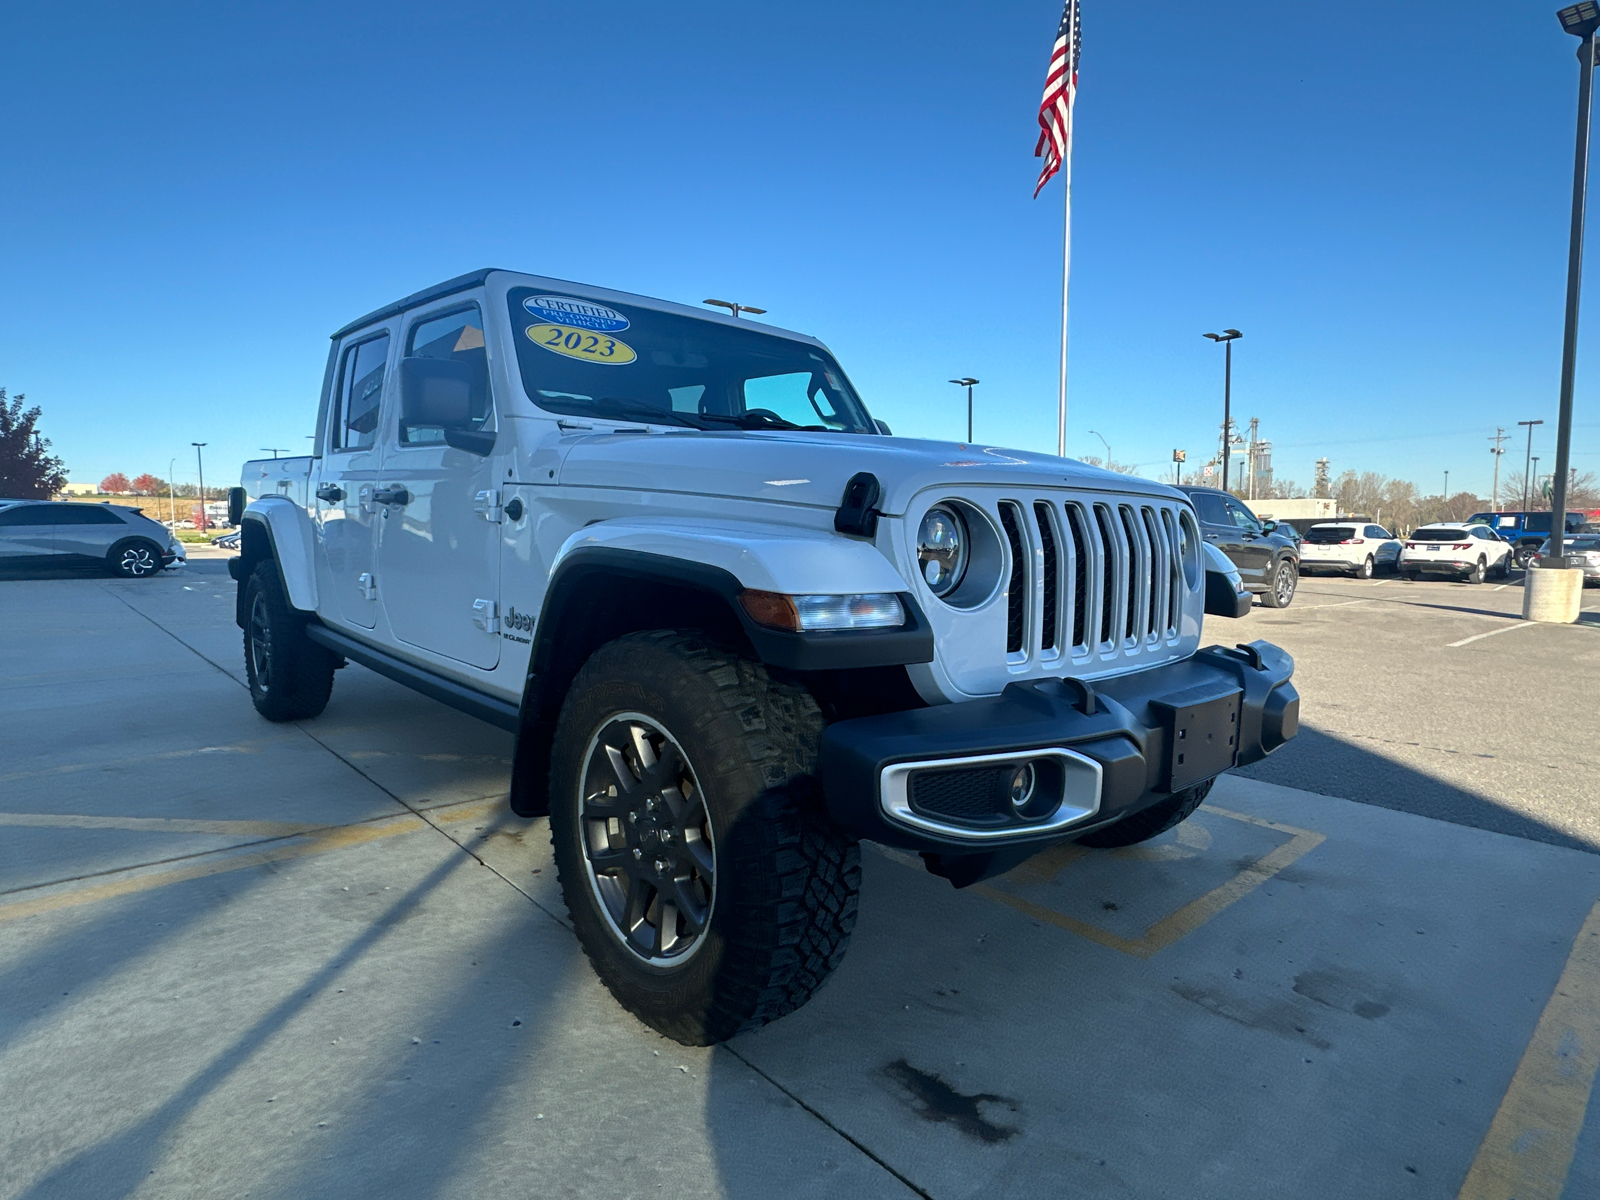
(942, 550)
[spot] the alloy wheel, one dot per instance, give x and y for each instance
(649, 850)
(1284, 587)
(137, 560)
(260, 644)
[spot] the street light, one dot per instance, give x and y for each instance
(200, 463)
(1526, 458)
(967, 382)
(172, 498)
(274, 450)
(1226, 338)
(1580, 20)
(735, 309)
(1447, 487)
(1107, 445)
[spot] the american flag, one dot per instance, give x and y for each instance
(1060, 90)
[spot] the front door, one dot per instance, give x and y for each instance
(439, 537)
(346, 511)
(27, 532)
(1254, 549)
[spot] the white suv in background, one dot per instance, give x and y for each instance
(1354, 547)
(1469, 552)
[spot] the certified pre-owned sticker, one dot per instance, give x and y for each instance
(579, 314)
(580, 343)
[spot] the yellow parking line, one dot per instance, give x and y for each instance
(143, 879)
(1185, 920)
(1529, 1147)
(158, 824)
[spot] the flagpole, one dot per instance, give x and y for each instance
(1066, 280)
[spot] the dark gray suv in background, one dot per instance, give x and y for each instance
(1267, 557)
(47, 532)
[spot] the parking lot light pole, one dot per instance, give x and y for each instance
(200, 463)
(967, 381)
(1527, 460)
(1226, 338)
(735, 309)
(1107, 445)
(1580, 20)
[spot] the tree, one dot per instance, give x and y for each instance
(1113, 465)
(115, 484)
(148, 485)
(27, 472)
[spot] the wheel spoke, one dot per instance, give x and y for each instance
(613, 858)
(689, 906)
(704, 862)
(642, 747)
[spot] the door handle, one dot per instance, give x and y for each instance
(330, 493)
(391, 495)
(1211, 537)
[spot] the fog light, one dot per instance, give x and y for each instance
(1024, 782)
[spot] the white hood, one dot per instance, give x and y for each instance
(797, 467)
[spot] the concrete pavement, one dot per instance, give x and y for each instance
(323, 960)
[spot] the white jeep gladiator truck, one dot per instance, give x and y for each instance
(735, 625)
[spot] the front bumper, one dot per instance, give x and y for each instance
(1149, 734)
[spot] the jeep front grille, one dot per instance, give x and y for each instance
(1103, 574)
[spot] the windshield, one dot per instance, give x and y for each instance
(623, 362)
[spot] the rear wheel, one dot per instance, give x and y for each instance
(705, 881)
(1146, 824)
(1479, 571)
(135, 558)
(1280, 593)
(1366, 569)
(291, 677)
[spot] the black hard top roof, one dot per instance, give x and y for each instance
(459, 284)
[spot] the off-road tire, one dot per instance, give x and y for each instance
(291, 677)
(1366, 570)
(1281, 587)
(135, 558)
(1478, 573)
(786, 879)
(1149, 822)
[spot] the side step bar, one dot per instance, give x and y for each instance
(475, 704)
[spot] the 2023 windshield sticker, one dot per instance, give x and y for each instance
(581, 344)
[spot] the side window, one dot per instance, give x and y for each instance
(30, 514)
(457, 336)
(355, 421)
(76, 514)
(1210, 508)
(1242, 518)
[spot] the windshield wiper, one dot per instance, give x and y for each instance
(618, 409)
(751, 421)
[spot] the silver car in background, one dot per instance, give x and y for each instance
(1582, 547)
(48, 532)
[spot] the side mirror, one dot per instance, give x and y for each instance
(236, 502)
(437, 393)
(1269, 526)
(1225, 593)
(883, 428)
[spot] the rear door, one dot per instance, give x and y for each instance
(27, 532)
(439, 545)
(346, 512)
(86, 532)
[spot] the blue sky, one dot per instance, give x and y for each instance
(197, 195)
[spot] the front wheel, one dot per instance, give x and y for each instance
(1281, 592)
(705, 881)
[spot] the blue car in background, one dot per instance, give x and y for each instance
(1526, 531)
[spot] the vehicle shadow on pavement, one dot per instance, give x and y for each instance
(1330, 765)
(120, 1165)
